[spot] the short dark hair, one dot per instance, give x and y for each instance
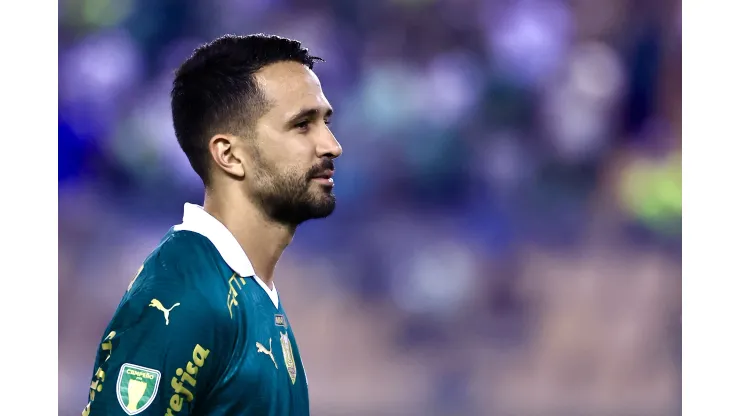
(215, 91)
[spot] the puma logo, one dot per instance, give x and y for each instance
(157, 304)
(261, 348)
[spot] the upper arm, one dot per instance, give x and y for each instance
(165, 349)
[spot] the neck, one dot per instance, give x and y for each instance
(262, 239)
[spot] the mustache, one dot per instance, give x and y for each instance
(326, 164)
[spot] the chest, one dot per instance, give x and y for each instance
(267, 375)
(270, 354)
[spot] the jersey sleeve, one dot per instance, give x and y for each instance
(166, 348)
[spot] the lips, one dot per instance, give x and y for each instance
(328, 174)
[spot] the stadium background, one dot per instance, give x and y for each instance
(507, 238)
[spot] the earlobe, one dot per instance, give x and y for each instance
(223, 150)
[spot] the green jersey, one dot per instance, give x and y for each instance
(197, 333)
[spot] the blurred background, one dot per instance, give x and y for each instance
(508, 234)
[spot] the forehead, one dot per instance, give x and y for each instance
(289, 86)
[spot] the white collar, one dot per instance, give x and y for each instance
(197, 220)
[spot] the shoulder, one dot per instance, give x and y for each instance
(185, 259)
(184, 269)
(182, 253)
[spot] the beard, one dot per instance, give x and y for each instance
(287, 196)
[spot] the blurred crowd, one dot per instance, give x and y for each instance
(507, 239)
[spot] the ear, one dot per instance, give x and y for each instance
(223, 149)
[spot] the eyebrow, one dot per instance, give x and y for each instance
(309, 114)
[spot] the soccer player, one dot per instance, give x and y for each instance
(201, 329)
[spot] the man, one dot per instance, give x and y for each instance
(201, 330)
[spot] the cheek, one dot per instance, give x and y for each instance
(293, 155)
(284, 171)
(286, 154)
(286, 149)
(300, 154)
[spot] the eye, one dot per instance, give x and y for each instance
(327, 122)
(303, 125)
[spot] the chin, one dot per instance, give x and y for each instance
(322, 194)
(323, 206)
(324, 209)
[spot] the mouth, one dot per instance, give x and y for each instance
(325, 178)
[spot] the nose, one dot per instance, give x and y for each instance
(328, 146)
